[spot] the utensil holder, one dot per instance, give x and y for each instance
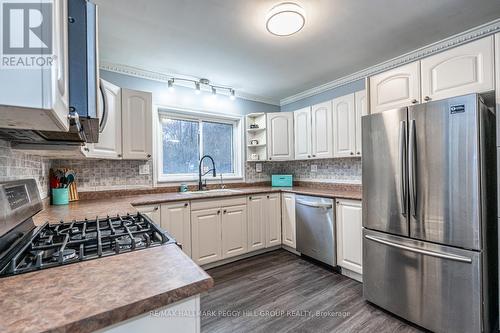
(60, 196)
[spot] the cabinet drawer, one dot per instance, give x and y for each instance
(217, 202)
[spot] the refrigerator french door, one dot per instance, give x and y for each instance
(429, 216)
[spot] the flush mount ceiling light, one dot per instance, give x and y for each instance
(285, 19)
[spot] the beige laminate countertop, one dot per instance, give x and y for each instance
(89, 295)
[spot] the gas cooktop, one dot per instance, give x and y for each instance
(25, 248)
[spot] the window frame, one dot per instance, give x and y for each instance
(200, 117)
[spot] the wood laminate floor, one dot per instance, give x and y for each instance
(281, 292)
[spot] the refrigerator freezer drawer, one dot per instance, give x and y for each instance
(436, 287)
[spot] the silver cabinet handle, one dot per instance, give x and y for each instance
(314, 204)
(412, 173)
(402, 166)
(420, 251)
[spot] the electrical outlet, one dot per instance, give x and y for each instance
(314, 168)
(258, 167)
(144, 169)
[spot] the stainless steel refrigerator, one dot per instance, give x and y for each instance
(429, 214)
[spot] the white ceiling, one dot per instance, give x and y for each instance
(226, 40)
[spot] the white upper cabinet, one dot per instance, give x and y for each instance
(38, 98)
(280, 136)
(395, 88)
(302, 133)
(137, 112)
(110, 136)
(462, 70)
(344, 127)
(322, 130)
(176, 220)
(361, 107)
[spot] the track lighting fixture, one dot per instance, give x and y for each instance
(205, 83)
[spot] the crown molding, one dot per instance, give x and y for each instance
(450, 42)
(161, 77)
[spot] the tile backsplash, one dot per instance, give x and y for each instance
(96, 175)
(343, 170)
(18, 165)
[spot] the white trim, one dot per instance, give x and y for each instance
(161, 77)
(447, 43)
(190, 114)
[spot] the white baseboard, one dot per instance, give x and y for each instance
(353, 275)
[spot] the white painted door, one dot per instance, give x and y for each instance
(360, 106)
(151, 211)
(256, 222)
(176, 220)
(395, 88)
(110, 136)
(461, 70)
(344, 126)
(302, 133)
(272, 212)
(234, 231)
(137, 136)
(288, 219)
(206, 235)
(322, 130)
(280, 136)
(349, 235)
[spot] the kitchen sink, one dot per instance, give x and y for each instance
(219, 190)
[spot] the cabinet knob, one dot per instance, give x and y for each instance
(308, 156)
(225, 211)
(86, 149)
(414, 101)
(352, 153)
(186, 204)
(148, 155)
(268, 197)
(218, 212)
(250, 198)
(119, 155)
(427, 98)
(314, 155)
(270, 158)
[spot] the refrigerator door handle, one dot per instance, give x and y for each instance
(402, 166)
(412, 174)
(420, 251)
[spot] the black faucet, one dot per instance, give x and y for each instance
(200, 184)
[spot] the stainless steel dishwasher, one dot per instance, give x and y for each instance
(316, 228)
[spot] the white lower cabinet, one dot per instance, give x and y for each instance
(206, 244)
(176, 220)
(256, 222)
(288, 219)
(349, 235)
(234, 231)
(272, 211)
(151, 211)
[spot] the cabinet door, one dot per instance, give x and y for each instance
(206, 236)
(110, 136)
(234, 231)
(462, 70)
(344, 126)
(322, 130)
(256, 222)
(272, 212)
(151, 211)
(360, 106)
(176, 220)
(349, 235)
(280, 136)
(395, 88)
(137, 137)
(288, 219)
(302, 133)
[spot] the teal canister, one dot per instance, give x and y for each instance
(60, 196)
(183, 188)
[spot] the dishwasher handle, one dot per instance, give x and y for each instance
(314, 204)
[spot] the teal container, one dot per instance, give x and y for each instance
(60, 196)
(282, 180)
